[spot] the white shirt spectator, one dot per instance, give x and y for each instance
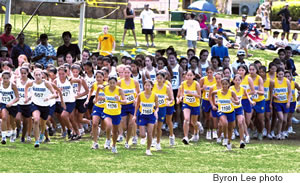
(283, 42)
(147, 17)
(236, 64)
(271, 41)
(192, 28)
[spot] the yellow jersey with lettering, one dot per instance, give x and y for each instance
(112, 106)
(245, 85)
(188, 99)
(256, 97)
(267, 89)
(161, 94)
(268, 75)
(225, 104)
(294, 96)
(147, 104)
(281, 91)
(208, 85)
(129, 90)
(100, 103)
(239, 95)
(215, 88)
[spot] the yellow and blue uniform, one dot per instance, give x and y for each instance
(259, 99)
(206, 107)
(170, 109)
(162, 101)
(130, 95)
(281, 91)
(191, 102)
(214, 113)
(146, 111)
(112, 107)
(267, 94)
(225, 105)
(238, 109)
(245, 102)
(293, 99)
(99, 105)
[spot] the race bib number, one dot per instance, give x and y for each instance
(100, 102)
(111, 105)
(190, 99)
(65, 93)
(161, 99)
(6, 99)
(282, 97)
(255, 96)
(226, 108)
(266, 95)
(39, 95)
(206, 94)
(147, 111)
(129, 98)
(21, 95)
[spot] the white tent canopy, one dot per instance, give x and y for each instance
(82, 13)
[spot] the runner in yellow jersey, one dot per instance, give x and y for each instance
(239, 112)
(272, 71)
(294, 86)
(205, 84)
(114, 97)
(165, 98)
(99, 102)
(130, 88)
(268, 88)
(191, 106)
(259, 99)
(226, 99)
(281, 100)
(146, 112)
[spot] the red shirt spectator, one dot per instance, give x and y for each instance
(7, 39)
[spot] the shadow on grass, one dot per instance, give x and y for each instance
(9, 146)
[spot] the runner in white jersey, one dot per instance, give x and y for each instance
(81, 93)
(40, 103)
(136, 74)
(90, 79)
(9, 98)
(65, 85)
(24, 110)
(149, 71)
(203, 63)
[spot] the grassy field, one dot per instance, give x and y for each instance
(205, 156)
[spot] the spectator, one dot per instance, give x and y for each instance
(60, 60)
(213, 36)
(242, 32)
(204, 30)
(4, 53)
(295, 44)
(285, 19)
(192, 28)
(282, 42)
(107, 42)
(129, 15)
(213, 25)
(266, 22)
(20, 49)
(289, 61)
(67, 47)
(44, 53)
(219, 50)
(147, 22)
(85, 55)
(241, 56)
(7, 39)
(271, 41)
(282, 56)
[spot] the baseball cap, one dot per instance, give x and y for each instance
(3, 48)
(244, 16)
(147, 4)
(241, 52)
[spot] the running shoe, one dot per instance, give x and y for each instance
(242, 144)
(41, 138)
(290, 130)
(64, 134)
(215, 134)
(153, 144)
(295, 120)
(127, 145)
(247, 139)
(134, 140)
(158, 147)
(229, 147)
(120, 138)
(225, 142)
(255, 134)
(148, 152)
(3, 140)
(107, 144)
(201, 129)
(28, 139)
(270, 137)
(219, 140)
(163, 127)
(236, 132)
(232, 136)
(114, 149)
(185, 140)
(172, 140)
(122, 44)
(143, 141)
(265, 133)
(22, 139)
(47, 140)
(13, 138)
(95, 145)
(175, 125)
(260, 136)
(208, 135)
(153, 45)
(69, 134)
(51, 131)
(194, 138)
(36, 144)
(273, 134)
(278, 137)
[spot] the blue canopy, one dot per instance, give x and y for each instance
(203, 6)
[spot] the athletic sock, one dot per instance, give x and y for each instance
(4, 133)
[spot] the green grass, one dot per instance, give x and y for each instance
(63, 156)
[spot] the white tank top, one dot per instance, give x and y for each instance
(39, 93)
(175, 79)
(90, 81)
(75, 89)
(21, 90)
(67, 90)
(203, 68)
(139, 79)
(152, 74)
(7, 94)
